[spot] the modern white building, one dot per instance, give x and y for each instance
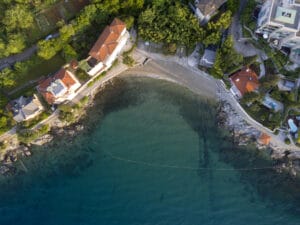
(279, 23)
(107, 47)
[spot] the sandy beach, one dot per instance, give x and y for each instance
(176, 70)
(173, 72)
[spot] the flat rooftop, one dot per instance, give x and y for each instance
(286, 14)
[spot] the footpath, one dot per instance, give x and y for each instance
(176, 69)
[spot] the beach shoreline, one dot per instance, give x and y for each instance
(196, 81)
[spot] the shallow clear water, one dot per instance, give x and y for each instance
(152, 154)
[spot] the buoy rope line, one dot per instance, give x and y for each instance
(183, 167)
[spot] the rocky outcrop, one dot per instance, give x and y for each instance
(241, 131)
(43, 140)
(244, 134)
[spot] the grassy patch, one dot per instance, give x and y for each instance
(128, 60)
(36, 68)
(82, 75)
(98, 77)
(3, 101)
(27, 91)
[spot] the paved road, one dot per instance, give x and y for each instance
(241, 44)
(26, 54)
(11, 60)
(221, 91)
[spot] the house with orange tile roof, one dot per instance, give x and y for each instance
(244, 81)
(264, 139)
(60, 87)
(107, 47)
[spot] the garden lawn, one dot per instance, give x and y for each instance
(46, 20)
(39, 70)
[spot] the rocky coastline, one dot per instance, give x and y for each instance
(241, 132)
(16, 150)
(100, 97)
(244, 134)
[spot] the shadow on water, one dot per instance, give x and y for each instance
(199, 113)
(272, 187)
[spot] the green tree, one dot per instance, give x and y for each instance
(233, 5)
(170, 22)
(212, 38)
(216, 70)
(251, 97)
(230, 58)
(227, 59)
(18, 17)
(132, 5)
(66, 32)
(110, 6)
(49, 48)
(7, 78)
(269, 81)
(69, 52)
(2, 48)
(129, 21)
(3, 122)
(85, 18)
(16, 44)
(222, 23)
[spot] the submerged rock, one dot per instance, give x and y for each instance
(4, 169)
(27, 153)
(79, 127)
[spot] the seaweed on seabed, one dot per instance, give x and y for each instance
(270, 185)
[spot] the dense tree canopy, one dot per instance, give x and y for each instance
(227, 59)
(18, 17)
(233, 5)
(169, 22)
(7, 78)
(215, 28)
(48, 49)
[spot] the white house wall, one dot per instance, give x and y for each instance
(96, 69)
(108, 62)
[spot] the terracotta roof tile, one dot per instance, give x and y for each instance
(63, 75)
(245, 80)
(264, 139)
(107, 41)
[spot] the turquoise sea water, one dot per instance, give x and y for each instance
(151, 154)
